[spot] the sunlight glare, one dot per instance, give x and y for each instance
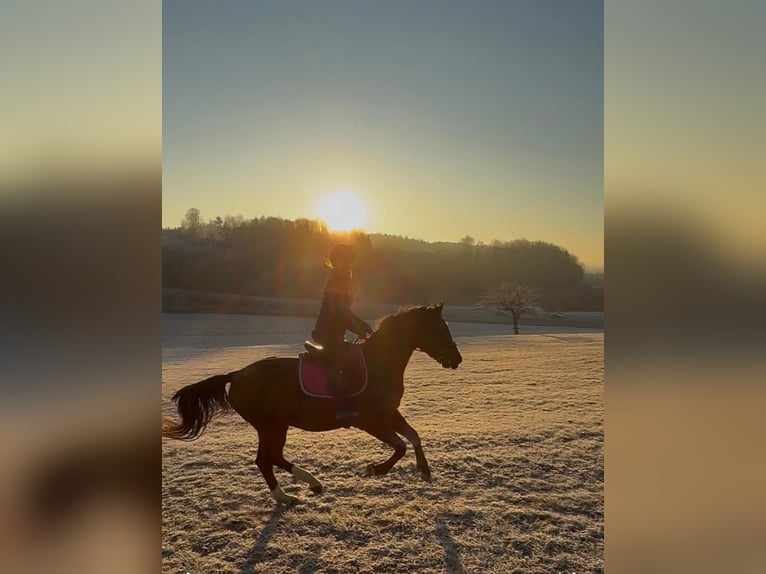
(341, 211)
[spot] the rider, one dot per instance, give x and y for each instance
(335, 317)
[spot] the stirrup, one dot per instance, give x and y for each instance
(345, 413)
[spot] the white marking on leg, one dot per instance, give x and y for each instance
(305, 476)
(283, 498)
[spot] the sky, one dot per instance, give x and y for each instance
(444, 119)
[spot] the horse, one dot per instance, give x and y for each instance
(268, 395)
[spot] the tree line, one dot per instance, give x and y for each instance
(275, 257)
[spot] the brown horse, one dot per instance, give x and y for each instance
(267, 394)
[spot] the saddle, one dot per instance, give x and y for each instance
(313, 374)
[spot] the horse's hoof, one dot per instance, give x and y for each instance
(316, 488)
(426, 476)
(283, 498)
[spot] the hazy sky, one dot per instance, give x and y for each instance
(444, 118)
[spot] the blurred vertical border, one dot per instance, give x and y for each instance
(685, 199)
(80, 303)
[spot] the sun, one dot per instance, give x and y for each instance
(341, 211)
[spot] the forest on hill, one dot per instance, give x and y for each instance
(275, 257)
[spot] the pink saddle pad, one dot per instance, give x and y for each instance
(313, 377)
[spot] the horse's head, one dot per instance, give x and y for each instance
(432, 336)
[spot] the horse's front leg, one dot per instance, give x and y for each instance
(397, 422)
(378, 428)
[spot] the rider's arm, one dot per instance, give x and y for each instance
(356, 324)
(351, 320)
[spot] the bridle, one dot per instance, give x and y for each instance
(441, 357)
(403, 341)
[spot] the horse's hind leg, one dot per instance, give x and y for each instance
(265, 461)
(278, 445)
(380, 430)
(400, 425)
(300, 474)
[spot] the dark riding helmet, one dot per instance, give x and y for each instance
(341, 252)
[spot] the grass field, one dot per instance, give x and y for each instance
(514, 439)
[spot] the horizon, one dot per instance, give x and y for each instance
(341, 233)
(437, 117)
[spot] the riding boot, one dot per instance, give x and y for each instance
(344, 410)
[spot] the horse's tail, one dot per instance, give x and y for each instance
(197, 404)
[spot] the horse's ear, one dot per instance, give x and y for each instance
(440, 306)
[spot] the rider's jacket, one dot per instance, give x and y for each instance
(335, 315)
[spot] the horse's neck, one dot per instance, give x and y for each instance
(391, 348)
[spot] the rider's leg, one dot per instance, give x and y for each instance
(343, 409)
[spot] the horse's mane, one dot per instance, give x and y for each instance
(403, 310)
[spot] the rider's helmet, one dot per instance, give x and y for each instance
(339, 254)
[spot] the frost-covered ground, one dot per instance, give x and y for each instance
(514, 438)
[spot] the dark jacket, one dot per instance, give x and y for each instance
(335, 315)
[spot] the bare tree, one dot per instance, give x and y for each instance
(192, 223)
(513, 298)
